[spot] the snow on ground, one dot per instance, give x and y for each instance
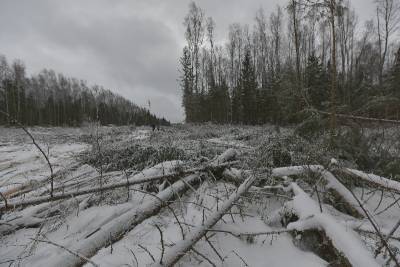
(262, 251)
(69, 222)
(21, 162)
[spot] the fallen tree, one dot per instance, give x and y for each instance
(340, 192)
(344, 240)
(132, 181)
(374, 179)
(116, 229)
(179, 250)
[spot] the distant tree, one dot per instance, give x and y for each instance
(315, 83)
(394, 77)
(314, 58)
(51, 99)
(194, 23)
(186, 82)
(388, 19)
(248, 86)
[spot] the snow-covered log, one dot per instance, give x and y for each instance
(332, 183)
(33, 184)
(296, 170)
(229, 155)
(344, 239)
(375, 179)
(137, 179)
(115, 229)
(179, 250)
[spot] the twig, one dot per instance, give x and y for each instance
(134, 256)
(162, 243)
(395, 227)
(383, 240)
(148, 252)
(204, 257)
(38, 147)
(245, 263)
(213, 248)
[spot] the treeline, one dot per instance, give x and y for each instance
(309, 55)
(53, 99)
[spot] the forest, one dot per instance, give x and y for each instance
(306, 58)
(56, 100)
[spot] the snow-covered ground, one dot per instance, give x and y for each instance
(113, 227)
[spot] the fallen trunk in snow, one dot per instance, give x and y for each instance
(34, 184)
(347, 247)
(337, 190)
(133, 181)
(115, 229)
(374, 179)
(179, 250)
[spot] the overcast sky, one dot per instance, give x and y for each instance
(129, 46)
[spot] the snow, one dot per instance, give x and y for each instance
(389, 184)
(331, 180)
(86, 221)
(296, 170)
(22, 164)
(344, 239)
(277, 251)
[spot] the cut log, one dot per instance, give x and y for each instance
(180, 249)
(229, 154)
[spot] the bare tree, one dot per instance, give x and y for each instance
(276, 20)
(293, 10)
(330, 9)
(262, 46)
(194, 23)
(388, 18)
(347, 22)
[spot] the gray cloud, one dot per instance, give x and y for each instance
(129, 46)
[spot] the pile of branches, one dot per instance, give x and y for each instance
(132, 156)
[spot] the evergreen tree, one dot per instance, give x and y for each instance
(248, 86)
(316, 83)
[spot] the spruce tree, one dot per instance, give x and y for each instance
(248, 86)
(316, 83)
